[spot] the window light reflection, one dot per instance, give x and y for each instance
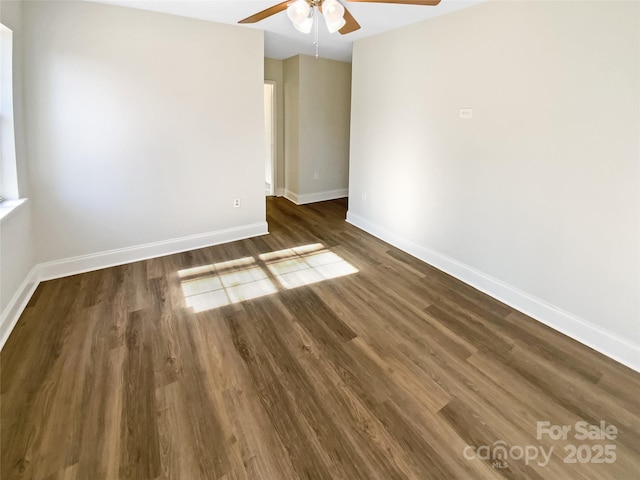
(224, 283)
(306, 265)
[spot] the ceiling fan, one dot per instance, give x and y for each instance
(336, 16)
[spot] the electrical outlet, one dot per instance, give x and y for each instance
(466, 112)
(316, 176)
(236, 203)
(364, 197)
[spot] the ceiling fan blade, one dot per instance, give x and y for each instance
(351, 25)
(428, 3)
(266, 13)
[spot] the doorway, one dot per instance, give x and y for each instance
(269, 138)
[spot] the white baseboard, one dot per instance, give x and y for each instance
(291, 196)
(279, 192)
(111, 258)
(302, 199)
(603, 341)
(17, 304)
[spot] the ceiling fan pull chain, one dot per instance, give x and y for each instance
(316, 21)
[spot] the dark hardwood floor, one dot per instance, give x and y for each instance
(315, 352)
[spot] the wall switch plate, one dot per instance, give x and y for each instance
(466, 112)
(236, 203)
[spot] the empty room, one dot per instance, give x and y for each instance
(319, 239)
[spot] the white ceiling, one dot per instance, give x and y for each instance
(281, 40)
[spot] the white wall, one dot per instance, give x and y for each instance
(142, 127)
(17, 261)
(536, 198)
(325, 107)
(17, 256)
(317, 115)
(274, 71)
(291, 72)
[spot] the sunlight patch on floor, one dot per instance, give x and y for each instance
(224, 283)
(306, 265)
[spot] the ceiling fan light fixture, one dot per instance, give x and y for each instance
(333, 11)
(335, 26)
(298, 12)
(305, 26)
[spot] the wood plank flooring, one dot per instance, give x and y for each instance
(315, 352)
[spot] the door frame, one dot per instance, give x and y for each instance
(274, 160)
